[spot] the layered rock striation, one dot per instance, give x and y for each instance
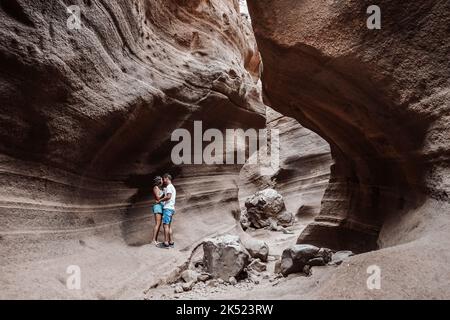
(87, 117)
(380, 98)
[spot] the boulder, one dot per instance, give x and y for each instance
(204, 277)
(277, 267)
(295, 258)
(190, 275)
(257, 249)
(225, 257)
(212, 283)
(267, 207)
(78, 108)
(232, 281)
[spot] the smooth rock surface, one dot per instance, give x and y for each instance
(381, 99)
(303, 174)
(295, 258)
(257, 249)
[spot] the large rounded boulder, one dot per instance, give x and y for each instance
(225, 257)
(266, 208)
(295, 258)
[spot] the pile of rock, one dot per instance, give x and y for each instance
(226, 260)
(190, 278)
(229, 261)
(266, 208)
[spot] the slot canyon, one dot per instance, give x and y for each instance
(88, 113)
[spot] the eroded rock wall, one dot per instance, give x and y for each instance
(86, 122)
(381, 99)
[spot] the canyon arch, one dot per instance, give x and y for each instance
(379, 97)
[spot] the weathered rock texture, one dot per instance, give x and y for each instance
(381, 99)
(304, 171)
(295, 258)
(257, 249)
(225, 257)
(385, 120)
(266, 208)
(86, 122)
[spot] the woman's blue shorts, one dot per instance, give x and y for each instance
(157, 208)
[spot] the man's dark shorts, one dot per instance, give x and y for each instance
(167, 216)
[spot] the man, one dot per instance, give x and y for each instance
(168, 200)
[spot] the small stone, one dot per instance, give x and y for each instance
(253, 278)
(225, 256)
(257, 266)
(220, 281)
(189, 275)
(178, 289)
(187, 286)
(340, 256)
(204, 277)
(232, 281)
(307, 270)
(277, 268)
(212, 283)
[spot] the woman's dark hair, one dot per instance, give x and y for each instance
(157, 181)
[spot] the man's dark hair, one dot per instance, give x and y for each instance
(167, 175)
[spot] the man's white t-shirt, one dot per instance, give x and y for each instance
(170, 204)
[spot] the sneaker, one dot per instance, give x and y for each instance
(172, 244)
(162, 245)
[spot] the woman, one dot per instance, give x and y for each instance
(157, 208)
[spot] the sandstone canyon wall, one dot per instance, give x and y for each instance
(87, 117)
(86, 122)
(381, 99)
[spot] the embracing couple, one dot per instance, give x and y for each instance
(164, 209)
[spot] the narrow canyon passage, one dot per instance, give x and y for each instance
(88, 113)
